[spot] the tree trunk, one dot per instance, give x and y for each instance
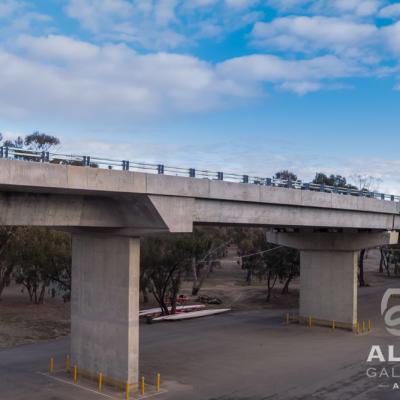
(204, 275)
(249, 275)
(195, 289)
(386, 263)
(381, 261)
(42, 293)
(285, 289)
(145, 295)
(5, 277)
(270, 284)
(30, 292)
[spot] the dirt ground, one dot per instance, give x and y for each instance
(22, 322)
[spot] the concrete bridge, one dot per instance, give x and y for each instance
(107, 211)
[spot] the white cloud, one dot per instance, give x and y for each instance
(96, 15)
(391, 35)
(301, 88)
(58, 48)
(8, 7)
(308, 34)
(240, 4)
(60, 76)
(164, 12)
(271, 68)
(161, 24)
(90, 80)
(391, 11)
(299, 76)
(141, 22)
(359, 8)
(289, 5)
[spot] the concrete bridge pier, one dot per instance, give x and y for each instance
(328, 272)
(105, 307)
(328, 287)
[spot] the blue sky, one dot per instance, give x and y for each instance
(250, 86)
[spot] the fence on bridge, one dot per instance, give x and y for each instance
(127, 165)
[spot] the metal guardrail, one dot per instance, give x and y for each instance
(127, 165)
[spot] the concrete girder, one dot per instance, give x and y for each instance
(274, 215)
(128, 216)
(326, 241)
(36, 177)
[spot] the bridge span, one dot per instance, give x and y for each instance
(107, 211)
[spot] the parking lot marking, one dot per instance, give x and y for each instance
(119, 397)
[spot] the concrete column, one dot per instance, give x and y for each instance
(328, 287)
(105, 307)
(328, 271)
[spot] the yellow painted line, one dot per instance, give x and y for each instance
(77, 385)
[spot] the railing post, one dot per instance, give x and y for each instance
(160, 169)
(192, 173)
(1, 152)
(382, 196)
(86, 161)
(349, 191)
(6, 152)
(322, 187)
(220, 176)
(45, 156)
(268, 181)
(245, 179)
(289, 183)
(125, 165)
(391, 197)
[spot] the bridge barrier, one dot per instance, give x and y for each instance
(127, 165)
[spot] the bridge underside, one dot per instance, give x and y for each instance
(106, 255)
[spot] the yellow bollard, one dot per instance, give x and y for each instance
(142, 386)
(100, 381)
(51, 365)
(67, 363)
(358, 328)
(309, 322)
(75, 374)
(127, 391)
(369, 325)
(158, 382)
(333, 324)
(363, 327)
(287, 318)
